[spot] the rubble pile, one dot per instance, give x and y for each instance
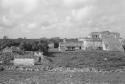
(62, 69)
(26, 68)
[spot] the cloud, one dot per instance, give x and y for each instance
(14, 11)
(20, 5)
(73, 3)
(78, 3)
(33, 18)
(82, 13)
(81, 9)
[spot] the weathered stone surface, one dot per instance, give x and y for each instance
(111, 43)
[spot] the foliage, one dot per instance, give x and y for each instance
(25, 44)
(7, 43)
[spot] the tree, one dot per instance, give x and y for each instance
(5, 37)
(35, 46)
(22, 45)
(43, 46)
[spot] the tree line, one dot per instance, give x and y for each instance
(29, 44)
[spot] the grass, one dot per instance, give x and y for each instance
(97, 59)
(60, 78)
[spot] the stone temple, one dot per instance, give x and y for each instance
(107, 41)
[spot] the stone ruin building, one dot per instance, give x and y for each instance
(107, 41)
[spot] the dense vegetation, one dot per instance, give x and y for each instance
(29, 44)
(25, 44)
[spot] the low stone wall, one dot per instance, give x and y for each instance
(58, 69)
(61, 69)
(26, 68)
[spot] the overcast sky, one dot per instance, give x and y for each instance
(60, 18)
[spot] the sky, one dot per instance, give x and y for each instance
(60, 18)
